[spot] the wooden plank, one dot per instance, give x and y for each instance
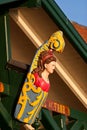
(56, 107)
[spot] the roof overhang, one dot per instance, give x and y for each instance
(38, 26)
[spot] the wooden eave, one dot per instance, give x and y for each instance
(69, 80)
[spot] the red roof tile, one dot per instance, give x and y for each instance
(82, 30)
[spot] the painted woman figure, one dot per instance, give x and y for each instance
(36, 86)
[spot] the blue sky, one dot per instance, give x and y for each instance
(75, 10)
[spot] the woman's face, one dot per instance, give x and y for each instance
(50, 67)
